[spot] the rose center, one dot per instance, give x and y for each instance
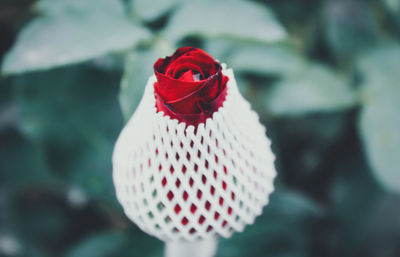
(191, 76)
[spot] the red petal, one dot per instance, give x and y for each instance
(179, 95)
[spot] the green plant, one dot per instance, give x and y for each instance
(323, 76)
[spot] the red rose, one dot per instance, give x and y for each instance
(190, 85)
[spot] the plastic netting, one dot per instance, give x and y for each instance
(179, 182)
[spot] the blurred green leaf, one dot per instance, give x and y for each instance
(90, 170)
(315, 89)
(348, 27)
(292, 204)
(254, 58)
(73, 113)
(60, 7)
(138, 69)
(39, 210)
(152, 9)
(307, 147)
(105, 244)
(139, 244)
(274, 59)
(129, 243)
(379, 121)
(393, 6)
(71, 32)
(285, 222)
(69, 104)
(381, 236)
(355, 195)
(221, 48)
(13, 246)
(113, 62)
(22, 162)
(233, 19)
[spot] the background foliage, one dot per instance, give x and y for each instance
(323, 76)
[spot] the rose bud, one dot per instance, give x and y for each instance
(190, 85)
(193, 162)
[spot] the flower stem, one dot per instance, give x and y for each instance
(202, 248)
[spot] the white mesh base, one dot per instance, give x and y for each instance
(178, 183)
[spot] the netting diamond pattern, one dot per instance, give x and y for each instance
(180, 182)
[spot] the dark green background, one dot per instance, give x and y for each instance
(324, 76)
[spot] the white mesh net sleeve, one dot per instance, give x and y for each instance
(180, 183)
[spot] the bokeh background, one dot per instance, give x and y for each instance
(324, 76)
